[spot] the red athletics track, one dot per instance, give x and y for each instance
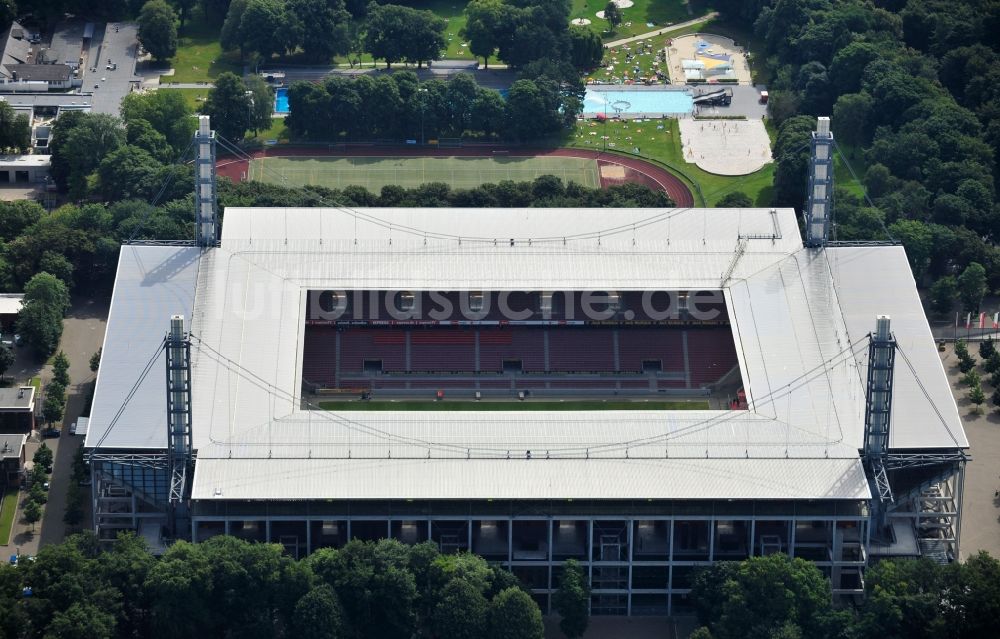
(636, 170)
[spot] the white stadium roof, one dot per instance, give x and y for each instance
(800, 319)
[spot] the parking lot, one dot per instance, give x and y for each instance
(114, 45)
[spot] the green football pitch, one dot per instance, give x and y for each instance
(458, 172)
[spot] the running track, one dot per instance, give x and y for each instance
(636, 170)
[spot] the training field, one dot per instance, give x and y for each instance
(458, 172)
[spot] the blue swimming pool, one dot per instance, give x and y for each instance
(641, 101)
(281, 100)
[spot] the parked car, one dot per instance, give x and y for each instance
(50, 432)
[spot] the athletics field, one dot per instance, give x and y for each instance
(459, 172)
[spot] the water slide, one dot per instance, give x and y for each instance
(716, 97)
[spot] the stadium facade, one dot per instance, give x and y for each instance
(778, 458)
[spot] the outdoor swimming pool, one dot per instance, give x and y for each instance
(648, 101)
(281, 100)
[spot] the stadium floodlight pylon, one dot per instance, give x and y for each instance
(820, 185)
(206, 207)
(179, 444)
(878, 415)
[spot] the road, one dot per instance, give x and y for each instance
(83, 334)
(663, 31)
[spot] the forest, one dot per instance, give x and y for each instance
(913, 88)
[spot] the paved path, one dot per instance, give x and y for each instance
(663, 31)
(981, 507)
(637, 170)
(83, 334)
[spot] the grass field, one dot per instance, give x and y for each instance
(664, 145)
(199, 55)
(530, 405)
(7, 510)
(635, 19)
(458, 172)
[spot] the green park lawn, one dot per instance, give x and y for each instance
(664, 146)
(199, 55)
(635, 19)
(7, 510)
(530, 405)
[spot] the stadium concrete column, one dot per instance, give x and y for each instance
(590, 559)
(628, 543)
(670, 570)
(551, 565)
(711, 539)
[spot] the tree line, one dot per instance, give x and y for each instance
(914, 95)
(227, 587)
(775, 597)
(400, 106)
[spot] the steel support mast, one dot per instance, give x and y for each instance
(179, 444)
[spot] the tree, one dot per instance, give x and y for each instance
(55, 404)
(230, 37)
(43, 457)
(515, 615)
(586, 48)
(40, 320)
(158, 29)
(972, 286)
(572, 600)
(81, 620)
(761, 595)
(397, 33)
(229, 106)
(15, 129)
(32, 513)
(987, 349)
(961, 348)
(129, 173)
(461, 611)
(320, 27)
(37, 493)
(95, 360)
(976, 396)
(992, 365)
(74, 505)
(260, 30)
(484, 19)
(971, 378)
(261, 99)
(60, 368)
(851, 114)
(6, 359)
(613, 15)
(966, 363)
(943, 294)
(735, 200)
(166, 112)
(318, 615)
(78, 149)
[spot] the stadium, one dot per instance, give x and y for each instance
(645, 391)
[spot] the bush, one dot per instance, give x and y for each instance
(74, 506)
